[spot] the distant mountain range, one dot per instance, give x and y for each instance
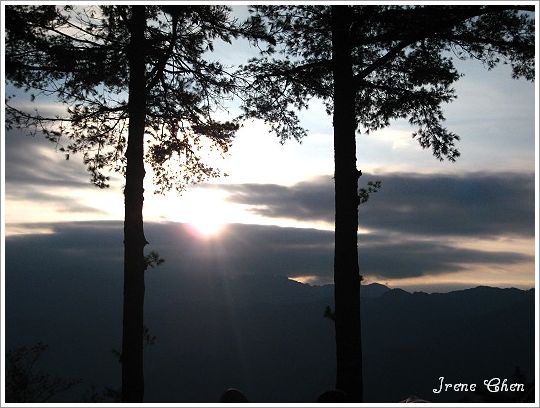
(267, 335)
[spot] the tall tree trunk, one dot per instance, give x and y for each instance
(134, 239)
(346, 271)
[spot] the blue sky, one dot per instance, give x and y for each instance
(448, 224)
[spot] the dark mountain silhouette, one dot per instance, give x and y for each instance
(465, 336)
(371, 290)
(264, 335)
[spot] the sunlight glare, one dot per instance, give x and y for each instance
(203, 212)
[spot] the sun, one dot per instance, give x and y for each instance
(203, 211)
(206, 225)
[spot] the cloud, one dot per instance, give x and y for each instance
(307, 201)
(30, 159)
(243, 249)
(416, 258)
(36, 173)
(474, 204)
(64, 204)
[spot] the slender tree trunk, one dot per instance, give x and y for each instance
(134, 239)
(346, 271)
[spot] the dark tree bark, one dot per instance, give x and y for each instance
(134, 239)
(346, 271)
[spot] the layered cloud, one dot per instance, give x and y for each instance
(421, 220)
(31, 161)
(474, 204)
(246, 249)
(42, 185)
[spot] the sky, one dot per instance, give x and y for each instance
(434, 225)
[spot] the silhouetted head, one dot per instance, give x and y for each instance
(233, 395)
(413, 399)
(333, 396)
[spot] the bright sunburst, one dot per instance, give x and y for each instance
(204, 212)
(207, 226)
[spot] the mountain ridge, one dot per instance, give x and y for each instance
(265, 335)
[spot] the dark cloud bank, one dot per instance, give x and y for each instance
(262, 250)
(474, 204)
(217, 326)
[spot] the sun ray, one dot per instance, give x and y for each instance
(203, 211)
